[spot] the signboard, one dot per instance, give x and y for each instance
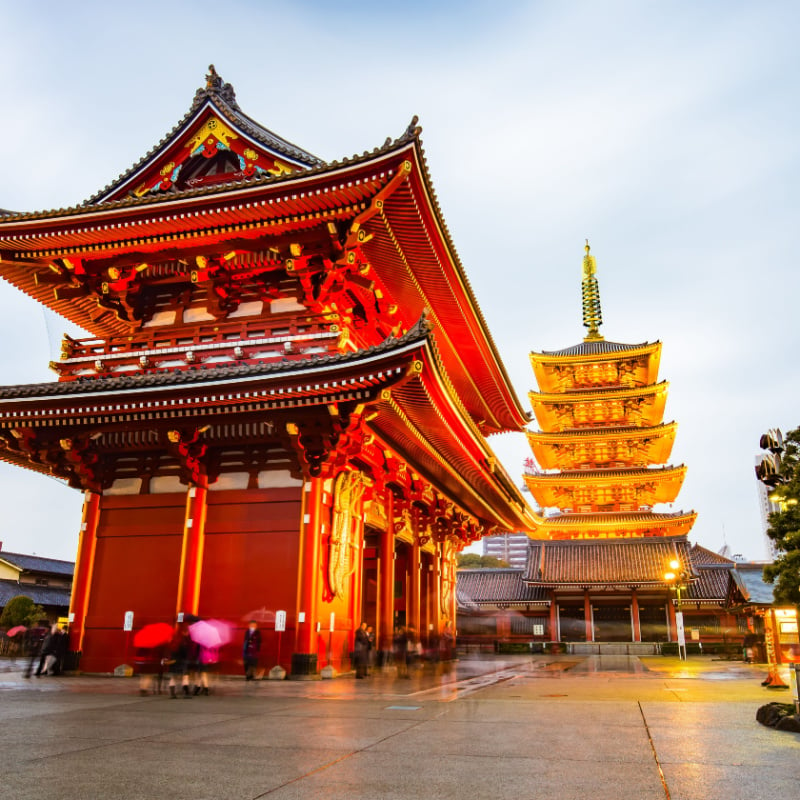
(681, 632)
(695, 634)
(127, 625)
(333, 622)
(280, 620)
(538, 630)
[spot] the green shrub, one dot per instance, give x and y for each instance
(21, 610)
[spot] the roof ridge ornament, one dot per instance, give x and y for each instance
(215, 85)
(592, 314)
(413, 129)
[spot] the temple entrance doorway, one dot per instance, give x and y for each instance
(572, 623)
(653, 623)
(370, 576)
(612, 624)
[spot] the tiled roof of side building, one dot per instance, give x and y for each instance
(487, 586)
(711, 585)
(750, 579)
(30, 563)
(580, 562)
(702, 556)
(41, 595)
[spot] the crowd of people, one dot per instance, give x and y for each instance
(186, 665)
(407, 651)
(47, 646)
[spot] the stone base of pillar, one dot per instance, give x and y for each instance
(304, 667)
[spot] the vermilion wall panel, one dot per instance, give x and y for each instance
(251, 562)
(136, 567)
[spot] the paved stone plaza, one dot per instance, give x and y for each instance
(543, 727)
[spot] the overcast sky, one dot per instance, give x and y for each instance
(666, 133)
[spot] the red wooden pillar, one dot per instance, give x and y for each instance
(452, 603)
(435, 595)
(414, 593)
(424, 597)
(386, 579)
(554, 632)
(191, 569)
(637, 628)
(84, 568)
(587, 615)
(304, 659)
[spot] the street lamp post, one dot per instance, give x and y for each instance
(676, 578)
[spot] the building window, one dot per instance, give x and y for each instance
(524, 626)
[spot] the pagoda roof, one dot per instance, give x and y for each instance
(631, 562)
(599, 394)
(418, 416)
(565, 449)
(650, 485)
(618, 432)
(384, 198)
(582, 477)
(487, 588)
(596, 348)
(612, 524)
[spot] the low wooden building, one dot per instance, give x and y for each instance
(588, 594)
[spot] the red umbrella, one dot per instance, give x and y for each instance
(153, 635)
(211, 632)
(15, 630)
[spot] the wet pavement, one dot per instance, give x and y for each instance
(517, 727)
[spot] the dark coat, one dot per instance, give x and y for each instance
(252, 644)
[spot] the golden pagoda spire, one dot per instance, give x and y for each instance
(592, 315)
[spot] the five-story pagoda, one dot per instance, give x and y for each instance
(604, 550)
(603, 441)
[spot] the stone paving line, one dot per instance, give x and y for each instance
(517, 727)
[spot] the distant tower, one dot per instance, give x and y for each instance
(509, 547)
(603, 440)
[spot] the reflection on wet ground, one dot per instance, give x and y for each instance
(442, 682)
(594, 663)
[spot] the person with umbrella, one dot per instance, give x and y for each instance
(149, 642)
(181, 661)
(209, 635)
(250, 650)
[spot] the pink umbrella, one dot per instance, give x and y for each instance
(17, 629)
(211, 633)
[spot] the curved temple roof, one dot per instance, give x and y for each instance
(382, 202)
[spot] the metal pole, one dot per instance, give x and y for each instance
(681, 629)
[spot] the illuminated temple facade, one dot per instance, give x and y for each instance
(283, 400)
